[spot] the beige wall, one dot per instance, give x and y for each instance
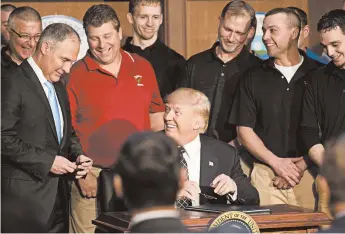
(77, 10)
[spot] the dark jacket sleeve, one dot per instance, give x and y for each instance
(34, 160)
(246, 193)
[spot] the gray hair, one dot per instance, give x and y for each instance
(26, 14)
(56, 32)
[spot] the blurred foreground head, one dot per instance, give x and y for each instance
(148, 171)
(333, 170)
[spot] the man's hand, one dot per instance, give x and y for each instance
(88, 186)
(190, 190)
(286, 168)
(223, 185)
(281, 183)
(62, 165)
(84, 165)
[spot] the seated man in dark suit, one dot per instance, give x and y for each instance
(148, 178)
(213, 167)
(333, 169)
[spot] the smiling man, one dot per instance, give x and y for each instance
(108, 88)
(216, 71)
(325, 93)
(267, 111)
(38, 144)
(24, 27)
(146, 17)
(212, 167)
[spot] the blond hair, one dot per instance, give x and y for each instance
(199, 102)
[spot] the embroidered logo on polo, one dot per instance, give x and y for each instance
(139, 79)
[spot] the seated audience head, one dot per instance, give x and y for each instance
(146, 16)
(186, 115)
(237, 23)
(57, 49)
(6, 10)
(25, 28)
(281, 28)
(104, 33)
(333, 169)
(148, 171)
(305, 29)
(332, 36)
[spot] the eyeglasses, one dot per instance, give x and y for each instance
(26, 37)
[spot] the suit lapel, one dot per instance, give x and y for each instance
(36, 86)
(60, 93)
(208, 164)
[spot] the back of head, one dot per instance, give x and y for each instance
(97, 15)
(302, 15)
(25, 14)
(333, 169)
(55, 33)
(134, 3)
(239, 8)
(7, 7)
(331, 20)
(149, 165)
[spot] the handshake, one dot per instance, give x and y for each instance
(81, 167)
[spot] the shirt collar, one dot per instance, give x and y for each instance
(241, 58)
(128, 45)
(304, 68)
(5, 58)
(37, 70)
(340, 215)
(193, 145)
(91, 63)
(154, 214)
(332, 69)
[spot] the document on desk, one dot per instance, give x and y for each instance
(220, 208)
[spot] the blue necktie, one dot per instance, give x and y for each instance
(53, 102)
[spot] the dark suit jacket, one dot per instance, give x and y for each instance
(338, 226)
(29, 142)
(218, 158)
(161, 225)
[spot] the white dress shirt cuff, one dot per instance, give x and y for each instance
(232, 196)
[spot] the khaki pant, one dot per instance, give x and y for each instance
(301, 195)
(83, 210)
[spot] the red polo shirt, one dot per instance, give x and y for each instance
(106, 109)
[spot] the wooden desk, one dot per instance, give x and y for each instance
(284, 218)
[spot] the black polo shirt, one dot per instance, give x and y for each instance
(324, 106)
(167, 64)
(207, 73)
(271, 106)
(6, 62)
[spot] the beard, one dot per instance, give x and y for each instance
(230, 49)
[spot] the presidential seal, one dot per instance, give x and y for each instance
(233, 222)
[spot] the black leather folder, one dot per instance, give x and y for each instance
(221, 208)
